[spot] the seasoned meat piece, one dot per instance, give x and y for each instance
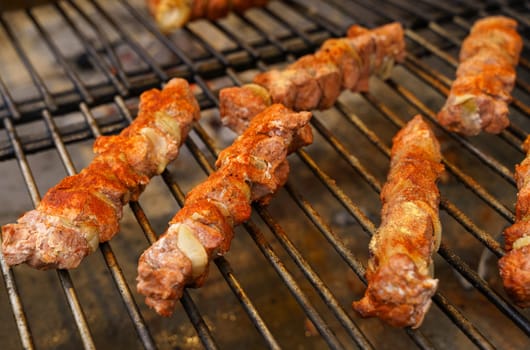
(364, 45)
(170, 14)
(294, 88)
(238, 104)
(480, 94)
(315, 81)
(515, 265)
(173, 14)
(253, 168)
(345, 58)
(327, 75)
(400, 271)
(85, 209)
(198, 10)
(216, 9)
(496, 32)
(280, 87)
(378, 50)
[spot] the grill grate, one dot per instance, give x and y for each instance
(297, 292)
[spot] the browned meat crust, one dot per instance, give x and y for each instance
(515, 265)
(315, 81)
(238, 105)
(173, 14)
(400, 271)
(85, 209)
(253, 168)
(480, 94)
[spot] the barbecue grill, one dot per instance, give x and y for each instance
(72, 70)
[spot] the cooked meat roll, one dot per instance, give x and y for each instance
(400, 268)
(85, 209)
(485, 77)
(315, 81)
(252, 169)
(173, 14)
(515, 265)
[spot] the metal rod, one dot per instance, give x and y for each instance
(419, 339)
(350, 327)
(465, 325)
(161, 37)
(64, 276)
(315, 280)
(189, 306)
(486, 159)
(106, 250)
(519, 320)
(286, 276)
(454, 63)
(224, 265)
(348, 205)
(17, 308)
(293, 286)
(35, 77)
(143, 54)
(96, 59)
(102, 36)
(85, 95)
(244, 299)
(512, 135)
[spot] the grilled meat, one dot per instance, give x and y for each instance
(515, 265)
(85, 209)
(173, 14)
(315, 81)
(400, 268)
(252, 169)
(480, 94)
(239, 104)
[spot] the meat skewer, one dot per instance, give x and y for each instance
(173, 263)
(515, 265)
(480, 94)
(400, 268)
(252, 169)
(315, 81)
(85, 209)
(173, 14)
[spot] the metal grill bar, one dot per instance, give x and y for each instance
(412, 99)
(192, 72)
(454, 63)
(270, 254)
(108, 255)
(45, 94)
(354, 332)
(86, 96)
(130, 41)
(484, 237)
(9, 278)
(186, 301)
(96, 59)
(486, 159)
(468, 323)
(445, 252)
(223, 264)
(111, 54)
(64, 276)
